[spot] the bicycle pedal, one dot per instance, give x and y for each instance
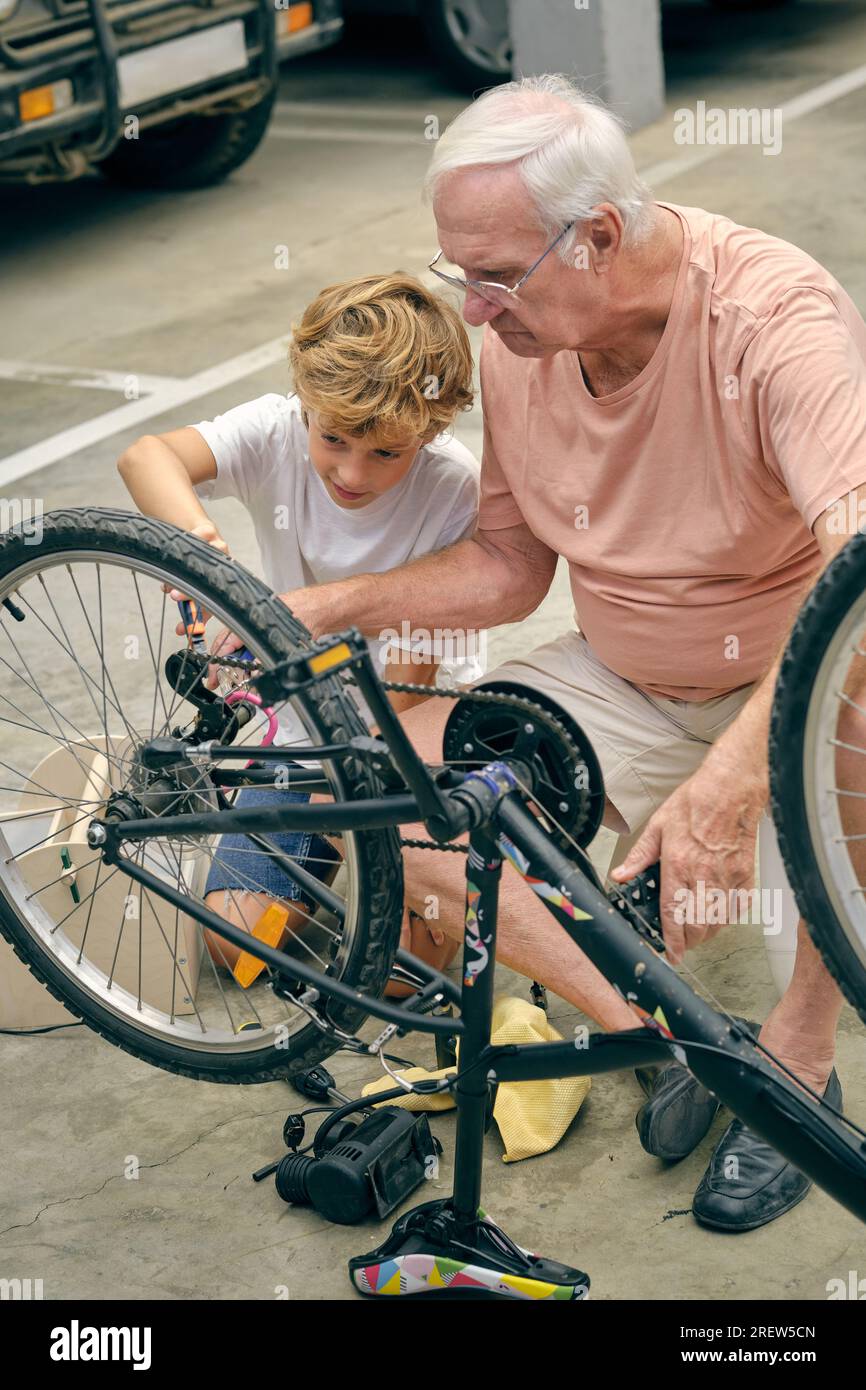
(638, 901)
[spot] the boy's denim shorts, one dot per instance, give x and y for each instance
(239, 865)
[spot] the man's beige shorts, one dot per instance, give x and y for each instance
(646, 744)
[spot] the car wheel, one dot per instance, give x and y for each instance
(470, 39)
(194, 152)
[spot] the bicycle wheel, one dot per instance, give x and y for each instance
(83, 683)
(818, 767)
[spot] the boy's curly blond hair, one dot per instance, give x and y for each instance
(382, 354)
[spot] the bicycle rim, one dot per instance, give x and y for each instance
(82, 687)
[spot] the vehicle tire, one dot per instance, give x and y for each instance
(132, 558)
(194, 152)
(809, 819)
(470, 40)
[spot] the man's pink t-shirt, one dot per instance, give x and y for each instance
(684, 501)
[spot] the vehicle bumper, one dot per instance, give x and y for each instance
(320, 34)
(93, 122)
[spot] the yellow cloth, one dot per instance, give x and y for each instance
(532, 1115)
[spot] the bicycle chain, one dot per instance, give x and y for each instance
(464, 695)
(639, 905)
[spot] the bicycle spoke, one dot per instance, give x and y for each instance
(52, 835)
(74, 716)
(157, 684)
(32, 685)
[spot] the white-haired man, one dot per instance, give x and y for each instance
(672, 402)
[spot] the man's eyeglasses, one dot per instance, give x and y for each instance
(491, 290)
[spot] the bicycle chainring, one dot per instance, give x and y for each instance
(507, 720)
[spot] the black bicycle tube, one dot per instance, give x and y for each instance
(290, 965)
(483, 872)
(591, 1056)
(816, 1142)
(264, 777)
(273, 753)
(315, 888)
(322, 818)
(443, 817)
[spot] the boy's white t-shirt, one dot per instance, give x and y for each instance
(305, 538)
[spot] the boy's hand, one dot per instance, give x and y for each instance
(205, 531)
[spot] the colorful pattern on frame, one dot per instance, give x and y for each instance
(474, 968)
(413, 1274)
(539, 886)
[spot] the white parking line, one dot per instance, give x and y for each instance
(308, 110)
(343, 135)
(90, 378)
(177, 393)
(792, 110)
(168, 397)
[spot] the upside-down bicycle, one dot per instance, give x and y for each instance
(119, 764)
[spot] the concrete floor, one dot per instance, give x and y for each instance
(137, 283)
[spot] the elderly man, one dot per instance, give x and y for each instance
(671, 402)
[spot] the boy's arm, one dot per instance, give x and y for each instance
(161, 473)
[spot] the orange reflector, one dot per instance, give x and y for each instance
(332, 657)
(295, 17)
(269, 929)
(44, 101)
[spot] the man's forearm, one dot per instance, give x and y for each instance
(468, 586)
(744, 746)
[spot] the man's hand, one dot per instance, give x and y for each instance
(705, 831)
(223, 644)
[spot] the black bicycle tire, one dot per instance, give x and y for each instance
(825, 609)
(372, 952)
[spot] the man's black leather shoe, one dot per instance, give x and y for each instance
(678, 1110)
(749, 1184)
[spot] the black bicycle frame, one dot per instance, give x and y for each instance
(488, 803)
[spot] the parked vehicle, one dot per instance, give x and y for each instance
(470, 38)
(154, 93)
